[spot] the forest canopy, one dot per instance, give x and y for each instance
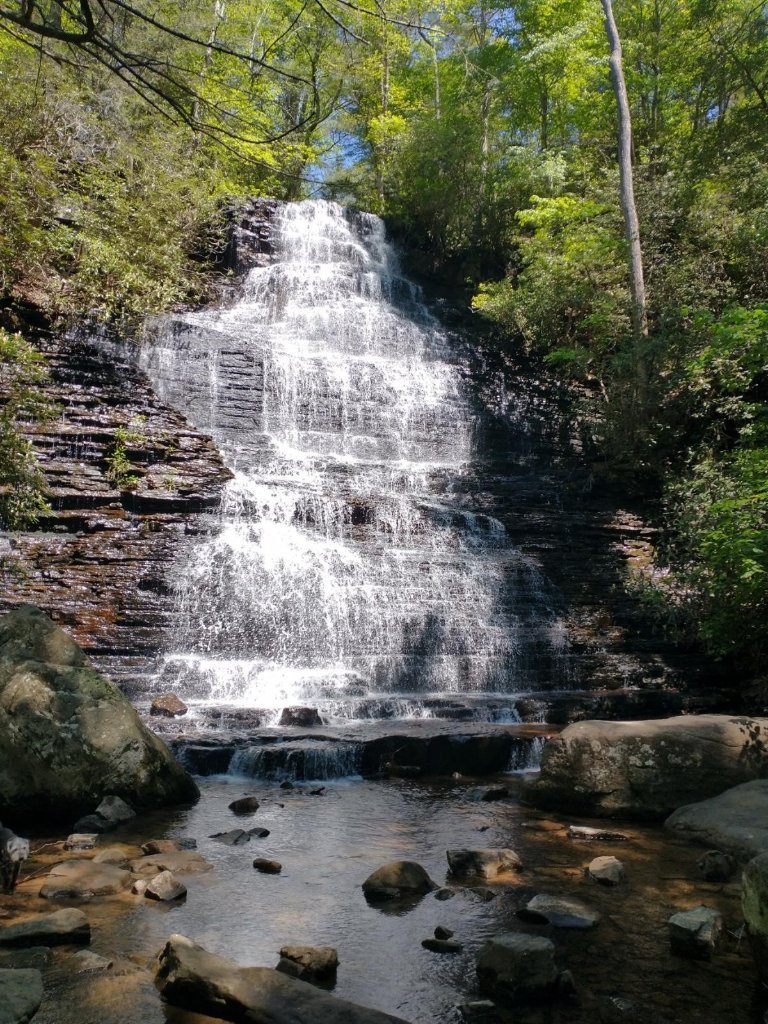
(486, 133)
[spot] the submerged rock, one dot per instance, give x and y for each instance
(245, 805)
(399, 879)
(67, 734)
(64, 927)
(190, 977)
(21, 992)
(560, 911)
(515, 966)
(267, 867)
(695, 933)
(235, 837)
(88, 961)
(487, 863)
(648, 769)
(442, 945)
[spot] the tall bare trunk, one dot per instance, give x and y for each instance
(628, 207)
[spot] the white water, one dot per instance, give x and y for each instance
(343, 565)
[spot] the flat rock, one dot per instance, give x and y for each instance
(560, 911)
(235, 837)
(244, 805)
(648, 769)
(21, 992)
(86, 961)
(165, 888)
(82, 879)
(487, 863)
(190, 977)
(606, 870)
(120, 854)
(310, 963)
(179, 862)
(160, 846)
(80, 841)
(300, 716)
(595, 835)
(734, 821)
(442, 945)
(695, 933)
(38, 957)
(60, 928)
(397, 880)
(267, 867)
(515, 965)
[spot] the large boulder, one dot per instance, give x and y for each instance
(734, 822)
(64, 927)
(648, 769)
(516, 966)
(83, 879)
(190, 977)
(67, 734)
(754, 904)
(21, 992)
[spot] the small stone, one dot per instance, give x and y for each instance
(235, 837)
(115, 810)
(168, 706)
(606, 870)
(488, 863)
(442, 945)
(88, 961)
(245, 805)
(716, 866)
(488, 794)
(258, 833)
(560, 911)
(160, 846)
(165, 887)
(287, 784)
(444, 893)
(480, 1010)
(695, 933)
(268, 867)
(441, 932)
(309, 963)
(596, 834)
(483, 893)
(79, 841)
(139, 887)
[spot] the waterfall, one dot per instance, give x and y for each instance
(347, 562)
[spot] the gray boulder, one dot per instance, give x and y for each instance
(21, 992)
(165, 888)
(648, 769)
(695, 933)
(606, 870)
(87, 961)
(190, 977)
(516, 966)
(560, 911)
(397, 880)
(735, 821)
(65, 927)
(67, 734)
(487, 863)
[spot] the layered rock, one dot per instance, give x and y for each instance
(648, 769)
(67, 734)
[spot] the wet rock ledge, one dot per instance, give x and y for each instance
(99, 565)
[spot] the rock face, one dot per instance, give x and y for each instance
(189, 977)
(515, 966)
(21, 992)
(754, 903)
(67, 734)
(397, 880)
(648, 769)
(65, 927)
(487, 863)
(735, 822)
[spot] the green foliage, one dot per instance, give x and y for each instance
(22, 485)
(120, 470)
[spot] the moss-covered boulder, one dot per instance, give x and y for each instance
(68, 736)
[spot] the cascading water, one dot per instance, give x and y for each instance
(345, 572)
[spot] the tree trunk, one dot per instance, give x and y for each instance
(628, 208)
